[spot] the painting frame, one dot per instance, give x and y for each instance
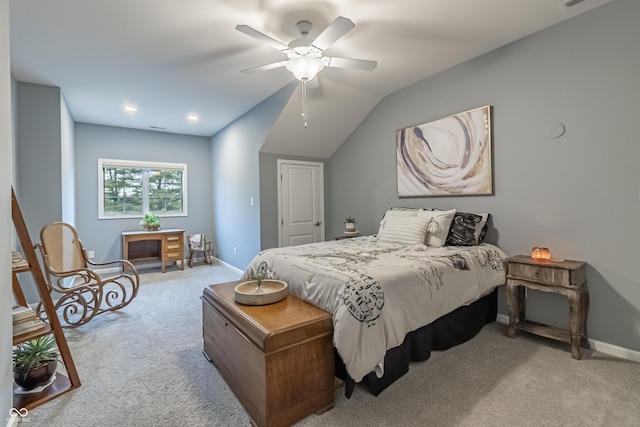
(450, 156)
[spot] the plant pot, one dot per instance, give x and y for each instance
(35, 377)
(151, 227)
(351, 227)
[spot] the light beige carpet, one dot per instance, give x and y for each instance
(143, 366)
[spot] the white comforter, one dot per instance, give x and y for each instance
(378, 292)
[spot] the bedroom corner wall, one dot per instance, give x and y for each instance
(39, 151)
(67, 168)
(6, 168)
(236, 180)
(577, 194)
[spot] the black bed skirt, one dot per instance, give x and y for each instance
(452, 329)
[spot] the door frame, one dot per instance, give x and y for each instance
(280, 162)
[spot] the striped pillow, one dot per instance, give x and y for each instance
(408, 230)
(397, 212)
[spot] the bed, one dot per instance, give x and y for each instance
(396, 295)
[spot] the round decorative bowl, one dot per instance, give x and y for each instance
(271, 291)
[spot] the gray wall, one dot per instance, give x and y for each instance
(68, 177)
(39, 155)
(269, 205)
(95, 141)
(41, 181)
(14, 125)
(577, 195)
(6, 164)
(236, 178)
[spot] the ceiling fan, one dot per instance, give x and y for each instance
(305, 57)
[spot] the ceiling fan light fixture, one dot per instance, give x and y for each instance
(304, 67)
(305, 57)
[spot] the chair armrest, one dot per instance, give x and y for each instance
(118, 261)
(123, 262)
(77, 272)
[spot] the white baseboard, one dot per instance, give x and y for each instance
(503, 318)
(603, 347)
(159, 264)
(111, 270)
(614, 350)
(229, 266)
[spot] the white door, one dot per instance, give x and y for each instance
(301, 202)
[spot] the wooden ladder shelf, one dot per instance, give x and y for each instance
(62, 383)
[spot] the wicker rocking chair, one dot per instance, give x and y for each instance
(83, 294)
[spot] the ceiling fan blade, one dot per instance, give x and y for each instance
(333, 32)
(262, 37)
(264, 67)
(352, 64)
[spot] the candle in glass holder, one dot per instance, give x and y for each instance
(540, 254)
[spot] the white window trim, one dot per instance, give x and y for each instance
(141, 164)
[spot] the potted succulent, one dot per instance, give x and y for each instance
(35, 362)
(258, 276)
(350, 224)
(150, 222)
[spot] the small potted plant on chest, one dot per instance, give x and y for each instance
(350, 224)
(35, 362)
(150, 222)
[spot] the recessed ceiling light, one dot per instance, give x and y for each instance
(130, 108)
(193, 117)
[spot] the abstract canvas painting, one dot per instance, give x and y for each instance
(446, 157)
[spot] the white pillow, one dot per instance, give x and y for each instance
(396, 213)
(406, 230)
(438, 223)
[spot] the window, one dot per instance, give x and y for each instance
(129, 189)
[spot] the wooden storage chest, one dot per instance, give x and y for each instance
(278, 359)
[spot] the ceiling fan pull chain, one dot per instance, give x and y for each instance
(304, 102)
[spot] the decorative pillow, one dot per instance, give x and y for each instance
(396, 212)
(406, 230)
(437, 226)
(468, 229)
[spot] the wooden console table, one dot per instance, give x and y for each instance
(567, 278)
(145, 246)
(278, 358)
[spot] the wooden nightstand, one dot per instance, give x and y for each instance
(563, 277)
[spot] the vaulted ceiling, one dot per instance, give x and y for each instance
(174, 58)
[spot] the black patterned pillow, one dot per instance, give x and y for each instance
(467, 229)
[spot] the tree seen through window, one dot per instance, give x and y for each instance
(135, 188)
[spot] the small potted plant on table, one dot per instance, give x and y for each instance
(350, 224)
(150, 222)
(35, 362)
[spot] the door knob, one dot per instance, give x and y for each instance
(317, 224)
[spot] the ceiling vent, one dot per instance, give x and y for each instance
(572, 3)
